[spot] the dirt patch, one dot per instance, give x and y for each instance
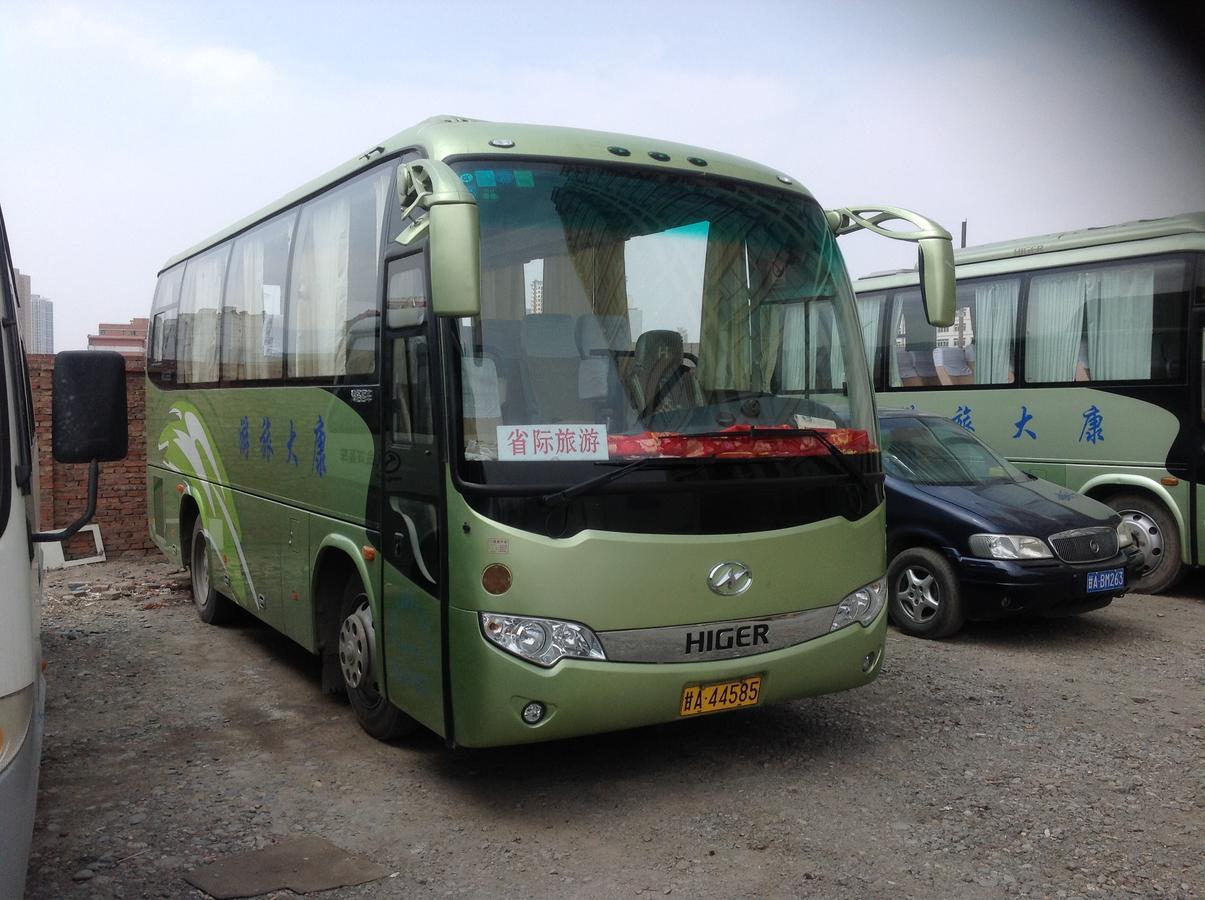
(1049, 758)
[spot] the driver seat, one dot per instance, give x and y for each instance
(661, 380)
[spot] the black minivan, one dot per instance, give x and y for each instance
(969, 535)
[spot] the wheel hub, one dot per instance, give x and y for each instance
(356, 640)
(918, 594)
(1147, 537)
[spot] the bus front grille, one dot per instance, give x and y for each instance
(1084, 545)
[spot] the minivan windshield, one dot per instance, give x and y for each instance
(935, 451)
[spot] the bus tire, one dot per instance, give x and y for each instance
(212, 607)
(923, 596)
(356, 651)
(1157, 536)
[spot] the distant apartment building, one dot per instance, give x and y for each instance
(24, 297)
(128, 339)
(40, 338)
(537, 296)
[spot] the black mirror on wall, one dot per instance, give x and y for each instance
(90, 420)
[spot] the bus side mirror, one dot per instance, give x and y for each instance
(455, 254)
(935, 257)
(90, 422)
(935, 260)
(89, 407)
(437, 204)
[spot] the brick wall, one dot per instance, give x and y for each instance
(121, 502)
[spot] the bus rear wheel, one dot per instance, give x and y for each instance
(1157, 537)
(360, 669)
(212, 607)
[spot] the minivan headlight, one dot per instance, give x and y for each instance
(1009, 546)
(544, 642)
(862, 605)
(1125, 536)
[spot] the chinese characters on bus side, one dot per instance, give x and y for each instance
(546, 442)
(267, 451)
(1092, 431)
(1023, 423)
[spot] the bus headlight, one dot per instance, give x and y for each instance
(544, 642)
(1009, 546)
(862, 605)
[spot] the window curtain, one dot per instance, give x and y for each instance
(563, 288)
(200, 300)
(895, 344)
(724, 357)
(503, 294)
(1054, 326)
(318, 289)
(249, 362)
(870, 314)
(794, 351)
(995, 330)
(1120, 313)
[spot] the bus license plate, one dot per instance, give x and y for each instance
(704, 698)
(1106, 580)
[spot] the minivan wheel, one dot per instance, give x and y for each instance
(924, 599)
(1157, 538)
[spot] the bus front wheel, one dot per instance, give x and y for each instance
(212, 607)
(1156, 536)
(357, 652)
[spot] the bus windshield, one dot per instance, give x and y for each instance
(937, 452)
(638, 313)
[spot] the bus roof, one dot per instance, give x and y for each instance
(1128, 232)
(444, 137)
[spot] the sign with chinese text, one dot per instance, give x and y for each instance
(551, 442)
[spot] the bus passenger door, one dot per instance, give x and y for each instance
(1195, 414)
(412, 639)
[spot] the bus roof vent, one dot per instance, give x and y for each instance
(441, 120)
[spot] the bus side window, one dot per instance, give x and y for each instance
(161, 350)
(406, 315)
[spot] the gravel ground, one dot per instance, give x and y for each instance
(1052, 759)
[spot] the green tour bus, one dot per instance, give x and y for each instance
(1078, 356)
(532, 432)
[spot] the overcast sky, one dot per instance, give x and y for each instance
(130, 131)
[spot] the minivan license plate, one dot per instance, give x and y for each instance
(1106, 580)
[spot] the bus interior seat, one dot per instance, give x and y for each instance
(598, 376)
(500, 341)
(661, 378)
(550, 369)
(952, 366)
(482, 393)
(916, 368)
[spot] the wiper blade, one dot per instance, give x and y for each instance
(559, 498)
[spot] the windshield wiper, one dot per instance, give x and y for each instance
(559, 498)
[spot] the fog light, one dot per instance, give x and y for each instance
(533, 712)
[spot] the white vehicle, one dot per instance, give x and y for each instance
(90, 426)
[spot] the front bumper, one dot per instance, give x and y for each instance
(18, 799)
(588, 697)
(998, 587)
